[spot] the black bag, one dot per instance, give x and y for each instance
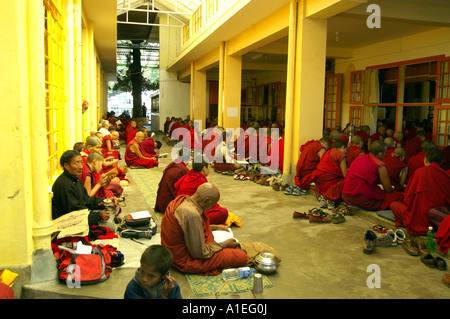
(137, 228)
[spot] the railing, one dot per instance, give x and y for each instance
(201, 16)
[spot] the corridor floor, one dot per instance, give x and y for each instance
(319, 261)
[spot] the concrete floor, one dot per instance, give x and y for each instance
(319, 261)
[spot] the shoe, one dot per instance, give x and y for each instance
(380, 229)
(394, 237)
(384, 241)
(289, 190)
(369, 242)
(317, 215)
(330, 204)
(323, 203)
(440, 263)
(284, 186)
(428, 260)
(300, 215)
(410, 246)
(400, 236)
(446, 280)
(422, 247)
(299, 192)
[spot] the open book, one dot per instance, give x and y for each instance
(222, 235)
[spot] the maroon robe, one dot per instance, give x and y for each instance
(148, 147)
(446, 160)
(394, 166)
(166, 188)
(412, 147)
(307, 163)
(328, 175)
(428, 188)
(134, 161)
(352, 152)
(415, 162)
(114, 153)
(188, 184)
(365, 138)
(361, 185)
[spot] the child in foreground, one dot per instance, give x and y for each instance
(152, 280)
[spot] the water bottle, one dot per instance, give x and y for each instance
(430, 240)
(236, 273)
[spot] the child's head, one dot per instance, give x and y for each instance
(155, 265)
(95, 161)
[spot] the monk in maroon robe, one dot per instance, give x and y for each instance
(149, 147)
(166, 188)
(189, 183)
(186, 231)
(362, 180)
(310, 154)
(133, 154)
(378, 136)
(364, 133)
(396, 167)
(417, 161)
(355, 149)
(413, 146)
(330, 172)
(428, 188)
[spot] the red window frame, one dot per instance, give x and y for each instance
(443, 81)
(356, 87)
(356, 115)
(333, 100)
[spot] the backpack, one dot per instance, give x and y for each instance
(81, 269)
(137, 228)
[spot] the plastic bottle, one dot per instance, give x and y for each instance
(430, 240)
(236, 273)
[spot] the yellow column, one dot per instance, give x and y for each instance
(309, 83)
(198, 91)
(77, 76)
(231, 99)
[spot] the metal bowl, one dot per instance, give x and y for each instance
(266, 263)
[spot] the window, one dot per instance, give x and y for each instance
(356, 113)
(442, 125)
(443, 92)
(54, 84)
(333, 100)
(356, 87)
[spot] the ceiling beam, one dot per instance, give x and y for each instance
(326, 9)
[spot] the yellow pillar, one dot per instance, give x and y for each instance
(198, 91)
(306, 108)
(230, 77)
(77, 76)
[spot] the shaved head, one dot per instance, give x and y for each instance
(207, 195)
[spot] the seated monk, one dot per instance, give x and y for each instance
(96, 183)
(224, 155)
(331, 171)
(398, 138)
(390, 146)
(148, 147)
(188, 184)
(187, 233)
(378, 136)
(364, 132)
(428, 188)
(355, 149)
(93, 144)
(166, 188)
(108, 144)
(412, 147)
(134, 156)
(70, 195)
(310, 154)
(396, 167)
(417, 161)
(361, 183)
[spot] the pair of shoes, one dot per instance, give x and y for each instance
(400, 235)
(433, 262)
(369, 242)
(316, 215)
(242, 177)
(297, 191)
(300, 215)
(415, 247)
(323, 203)
(337, 218)
(289, 190)
(343, 209)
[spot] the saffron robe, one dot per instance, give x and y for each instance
(428, 188)
(415, 162)
(328, 176)
(133, 160)
(166, 188)
(361, 185)
(214, 256)
(188, 184)
(307, 163)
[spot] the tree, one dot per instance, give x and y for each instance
(131, 79)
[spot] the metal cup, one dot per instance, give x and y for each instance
(257, 284)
